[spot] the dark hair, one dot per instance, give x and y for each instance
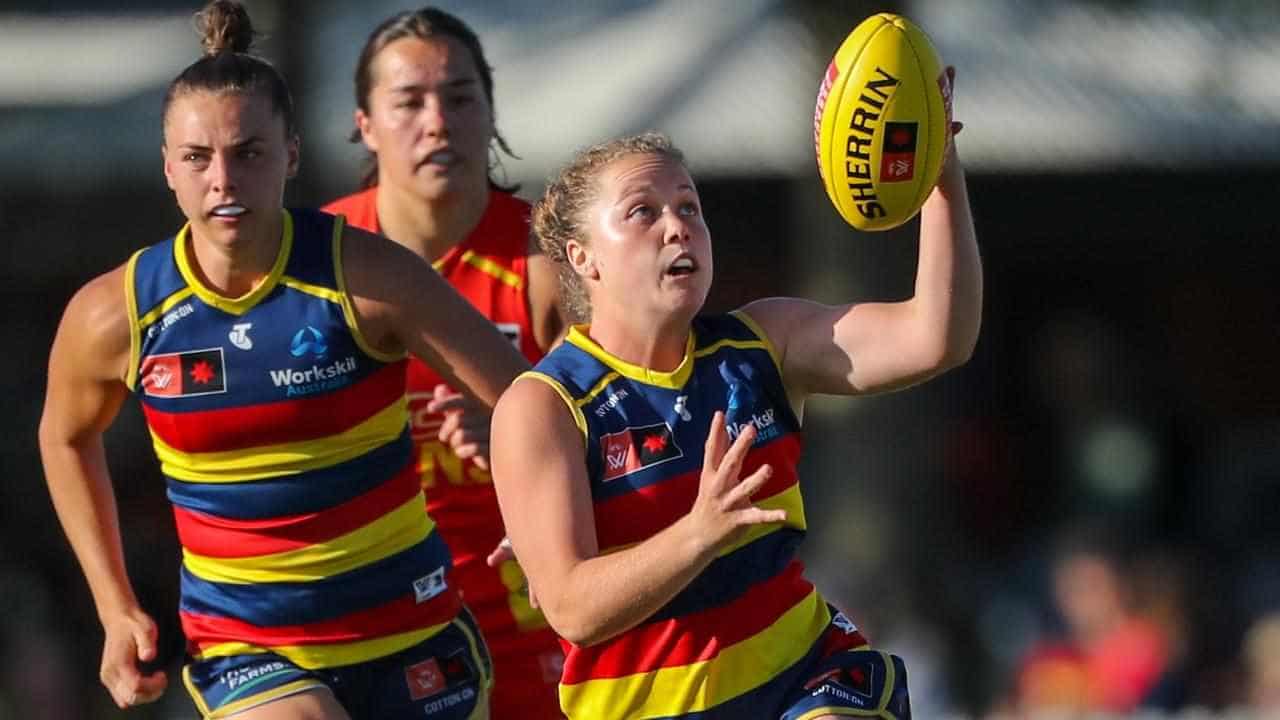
(425, 23)
(227, 67)
(558, 216)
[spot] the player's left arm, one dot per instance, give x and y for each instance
(402, 304)
(875, 347)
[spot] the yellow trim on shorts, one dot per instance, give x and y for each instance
(245, 464)
(578, 418)
(395, 532)
(736, 670)
(293, 688)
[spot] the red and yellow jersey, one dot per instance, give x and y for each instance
(730, 644)
(283, 437)
(490, 269)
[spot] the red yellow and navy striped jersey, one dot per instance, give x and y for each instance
(731, 642)
(283, 437)
(490, 269)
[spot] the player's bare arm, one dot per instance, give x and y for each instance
(404, 305)
(89, 359)
(875, 347)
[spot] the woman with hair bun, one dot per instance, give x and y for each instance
(268, 348)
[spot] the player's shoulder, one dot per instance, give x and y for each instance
(98, 313)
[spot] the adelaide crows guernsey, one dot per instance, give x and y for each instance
(490, 269)
(732, 641)
(283, 437)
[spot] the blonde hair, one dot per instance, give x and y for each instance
(558, 217)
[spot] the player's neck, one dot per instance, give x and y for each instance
(428, 229)
(233, 270)
(639, 342)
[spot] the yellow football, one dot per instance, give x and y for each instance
(882, 122)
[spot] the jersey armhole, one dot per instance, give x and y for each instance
(578, 418)
(135, 330)
(348, 307)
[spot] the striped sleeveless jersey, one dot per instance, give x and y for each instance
(733, 641)
(283, 438)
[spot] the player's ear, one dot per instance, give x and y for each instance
(168, 168)
(581, 260)
(365, 128)
(294, 149)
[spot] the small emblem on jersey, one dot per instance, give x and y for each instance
(843, 622)
(637, 448)
(424, 679)
(239, 336)
(510, 331)
(309, 340)
(611, 402)
(429, 586)
(169, 318)
(184, 374)
(680, 409)
(741, 409)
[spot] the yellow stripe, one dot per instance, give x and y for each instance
(242, 304)
(164, 307)
(599, 387)
(489, 267)
(696, 687)
(292, 688)
(319, 291)
(673, 380)
(135, 334)
(348, 308)
(313, 657)
(750, 322)
(394, 532)
(285, 459)
(578, 417)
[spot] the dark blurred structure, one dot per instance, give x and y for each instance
(1123, 375)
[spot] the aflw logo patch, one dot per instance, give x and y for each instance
(637, 448)
(184, 374)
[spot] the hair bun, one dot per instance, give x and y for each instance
(224, 26)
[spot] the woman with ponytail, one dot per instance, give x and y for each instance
(268, 348)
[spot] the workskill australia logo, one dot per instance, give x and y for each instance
(184, 374)
(321, 376)
(637, 448)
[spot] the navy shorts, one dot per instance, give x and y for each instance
(445, 677)
(853, 683)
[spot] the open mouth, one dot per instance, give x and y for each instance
(229, 210)
(441, 158)
(683, 265)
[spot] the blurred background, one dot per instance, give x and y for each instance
(1083, 518)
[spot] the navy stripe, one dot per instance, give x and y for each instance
(298, 603)
(306, 492)
(728, 578)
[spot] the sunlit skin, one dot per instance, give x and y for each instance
(647, 264)
(430, 125)
(227, 157)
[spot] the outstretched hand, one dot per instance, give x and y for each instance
(130, 639)
(723, 508)
(465, 428)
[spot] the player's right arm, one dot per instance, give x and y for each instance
(87, 365)
(544, 494)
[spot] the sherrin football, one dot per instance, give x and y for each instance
(881, 124)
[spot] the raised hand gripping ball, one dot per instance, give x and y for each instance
(882, 122)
